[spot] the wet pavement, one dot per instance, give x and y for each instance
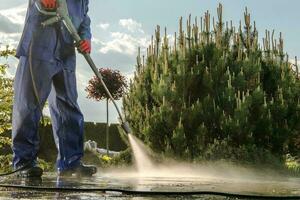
(51, 187)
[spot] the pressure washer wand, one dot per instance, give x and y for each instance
(62, 14)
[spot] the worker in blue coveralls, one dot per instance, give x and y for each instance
(46, 70)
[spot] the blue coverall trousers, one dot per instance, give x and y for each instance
(57, 81)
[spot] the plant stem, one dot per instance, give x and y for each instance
(107, 128)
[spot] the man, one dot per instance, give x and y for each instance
(47, 69)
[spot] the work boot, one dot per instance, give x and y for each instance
(30, 172)
(80, 170)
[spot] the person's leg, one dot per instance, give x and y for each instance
(26, 111)
(67, 119)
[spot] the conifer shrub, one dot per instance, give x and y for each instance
(215, 92)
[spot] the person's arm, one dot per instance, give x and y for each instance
(85, 27)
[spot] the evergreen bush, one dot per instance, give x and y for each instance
(216, 92)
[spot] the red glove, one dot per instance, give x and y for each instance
(49, 4)
(85, 46)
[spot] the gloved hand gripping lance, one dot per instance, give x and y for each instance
(61, 14)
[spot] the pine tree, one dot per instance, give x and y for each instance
(215, 84)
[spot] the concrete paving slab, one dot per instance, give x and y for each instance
(110, 186)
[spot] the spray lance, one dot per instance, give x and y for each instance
(61, 14)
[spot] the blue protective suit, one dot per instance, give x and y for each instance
(51, 52)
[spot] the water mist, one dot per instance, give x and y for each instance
(219, 176)
(141, 158)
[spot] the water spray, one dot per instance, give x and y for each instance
(61, 14)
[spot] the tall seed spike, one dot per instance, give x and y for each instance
(275, 46)
(165, 32)
(157, 39)
(189, 31)
(272, 39)
(181, 34)
(281, 44)
(138, 59)
(190, 19)
(196, 31)
(214, 25)
(152, 44)
(143, 61)
(201, 24)
(194, 36)
(297, 69)
(269, 40)
(209, 22)
(166, 43)
(147, 54)
(184, 46)
(220, 16)
(175, 43)
(207, 26)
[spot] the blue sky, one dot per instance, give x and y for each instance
(120, 26)
(280, 15)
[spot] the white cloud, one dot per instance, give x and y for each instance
(171, 39)
(11, 39)
(124, 43)
(11, 23)
(104, 26)
(97, 41)
(131, 25)
(129, 76)
(16, 15)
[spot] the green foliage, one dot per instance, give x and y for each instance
(214, 89)
(223, 150)
(292, 164)
(6, 94)
(123, 159)
(46, 166)
(5, 163)
(104, 161)
(6, 99)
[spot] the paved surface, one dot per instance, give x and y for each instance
(284, 187)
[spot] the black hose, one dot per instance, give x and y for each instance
(148, 193)
(16, 170)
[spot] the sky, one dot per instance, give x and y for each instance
(119, 27)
